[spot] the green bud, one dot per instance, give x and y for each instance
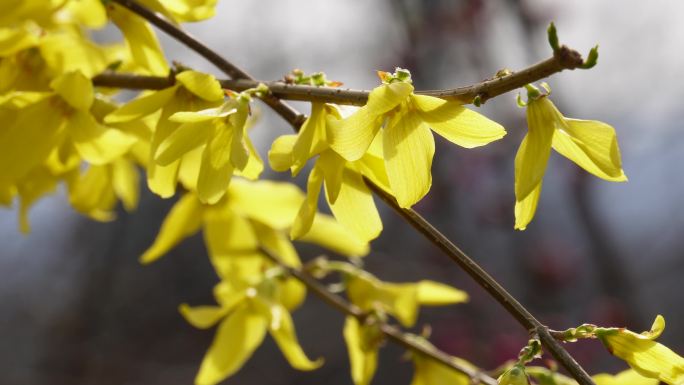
(553, 37)
(515, 375)
(592, 59)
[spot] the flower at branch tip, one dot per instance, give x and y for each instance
(407, 142)
(646, 356)
(591, 144)
(350, 200)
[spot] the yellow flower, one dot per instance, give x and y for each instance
(648, 357)
(407, 142)
(363, 342)
(249, 307)
(194, 91)
(591, 144)
(349, 198)
(251, 214)
(626, 377)
(428, 371)
(401, 300)
(221, 131)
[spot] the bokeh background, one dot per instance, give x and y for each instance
(77, 308)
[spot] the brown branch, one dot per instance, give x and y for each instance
(565, 58)
(393, 333)
(523, 316)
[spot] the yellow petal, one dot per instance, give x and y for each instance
(592, 145)
(352, 136)
(67, 52)
(355, 208)
(408, 147)
(182, 140)
(203, 85)
(272, 203)
(228, 235)
(284, 335)
(430, 372)
(278, 244)
(216, 170)
(373, 167)
(141, 40)
(93, 195)
(126, 181)
(456, 123)
(13, 40)
(75, 89)
(649, 358)
(183, 220)
(332, 166)
(431, 293)
(91, 13)
(303, 148)
(254, 166)
(33, 186)
(307, 211)
(95, 143)
(280, 154)
(202, 317)
(626, 377)
(525, 209)
(328, 233)
(28, 140)
(142, 106)
(533, 154)
(236, 339)
(363, 355)
(387, 96)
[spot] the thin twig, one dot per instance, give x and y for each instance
(523, 316)
(391, 332)
(565, 59)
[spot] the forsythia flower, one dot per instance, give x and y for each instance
(350, 200)
(363, 342)
(221, 131)
(194, 91)
(250, 304)
(627, 377)
(401, 300)
(643, 354)
(591, 144)
(251, 214)
(427, 371)
(407, 142)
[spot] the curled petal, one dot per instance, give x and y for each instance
(280, 154)
(329, 233)
(286, 338)
(307, 211)
(236, 339)
(363, 354)
(355, 208)
(592, 145)
(183, 220)
(525, 208)
(456, 123)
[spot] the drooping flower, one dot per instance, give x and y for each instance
(591, 144)
(250, 304)
(221, 132)
(428, 371)
(363, 342)
(401, 300)
(648, 357)
(407, 142)
(349, 198)
(194, 91)
(250, 215)
(626, 377)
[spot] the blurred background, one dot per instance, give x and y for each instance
(77, 308)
